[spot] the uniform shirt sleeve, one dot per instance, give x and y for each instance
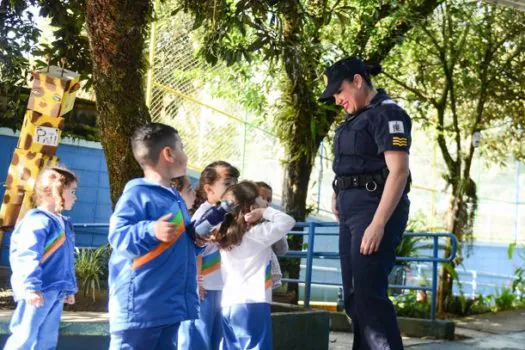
(129, 232)
(280, 248)
(69, 224)
(29, 241)
(276, 227)
(391, 129)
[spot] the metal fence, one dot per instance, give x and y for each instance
(312, 253)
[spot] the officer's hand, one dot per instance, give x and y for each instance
(334, 206)
(164, 229)
(372, 239)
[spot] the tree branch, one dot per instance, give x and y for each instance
(415, 91)
(418, 13)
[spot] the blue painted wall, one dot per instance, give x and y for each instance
(93, 204)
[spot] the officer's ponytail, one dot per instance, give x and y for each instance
(371, 69)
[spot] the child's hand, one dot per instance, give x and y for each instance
(35, 299)
(254, 216)
(164, 229)
(202, 291)
(70, 299)
(201, 242)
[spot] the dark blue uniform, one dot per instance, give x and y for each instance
(360, 163)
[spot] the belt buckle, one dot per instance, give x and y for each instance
(355, 181)
(371, 186)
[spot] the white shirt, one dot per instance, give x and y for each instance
(246, 268)
(211, 258)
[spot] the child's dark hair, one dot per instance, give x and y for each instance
(179, 182)
(233, 228)
(149, 140)
(209, 176)
(263, 185)
(51, 183)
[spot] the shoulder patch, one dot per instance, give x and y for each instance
(396, 127)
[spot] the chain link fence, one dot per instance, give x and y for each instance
(217, 129)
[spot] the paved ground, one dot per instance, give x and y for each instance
(504, 330)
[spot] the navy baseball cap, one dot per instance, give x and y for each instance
(339, 71)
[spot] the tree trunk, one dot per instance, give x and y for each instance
(446, 280)
(295, 189)
(117, 30)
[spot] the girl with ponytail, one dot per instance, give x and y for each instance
(245, 239)
(42, 261)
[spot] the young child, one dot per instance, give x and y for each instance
(280, 248)
(206, 332)
(42, 260)
(152, 269)
(245, 242)
(183, 185)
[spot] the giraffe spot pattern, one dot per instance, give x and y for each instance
(26, 174)
(50, 83)
(35, 116)
(28, 142)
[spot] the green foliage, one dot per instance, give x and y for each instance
(90, 268)
(462, 72)
(505, 299)
(20, 39)
(481, 304)
(407, 305)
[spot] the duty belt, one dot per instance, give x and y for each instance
(370, 182)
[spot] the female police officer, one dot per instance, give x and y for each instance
(370, 197)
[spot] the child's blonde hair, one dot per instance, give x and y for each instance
(51, 184)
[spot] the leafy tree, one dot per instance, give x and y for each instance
(102, 40)
(462, 72)
(299, 38)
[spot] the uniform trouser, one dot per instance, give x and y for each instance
(206, 332)
(153, 338)
(36, 327)
(247, 326)
(365, 277)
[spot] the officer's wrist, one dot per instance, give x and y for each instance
(378, 222)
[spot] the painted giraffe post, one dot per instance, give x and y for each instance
(52, 96)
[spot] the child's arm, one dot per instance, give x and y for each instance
(276, 227)
(30, 241)
(280, 248)
(129, 233)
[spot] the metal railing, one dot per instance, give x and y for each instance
(311, 253)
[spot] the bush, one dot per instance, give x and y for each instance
(90, 267)
(407, 305)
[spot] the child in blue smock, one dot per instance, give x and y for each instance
(42, 260)
(152, 269)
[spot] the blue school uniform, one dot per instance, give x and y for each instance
(42, 259)
(206, 332)
(153, 284)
